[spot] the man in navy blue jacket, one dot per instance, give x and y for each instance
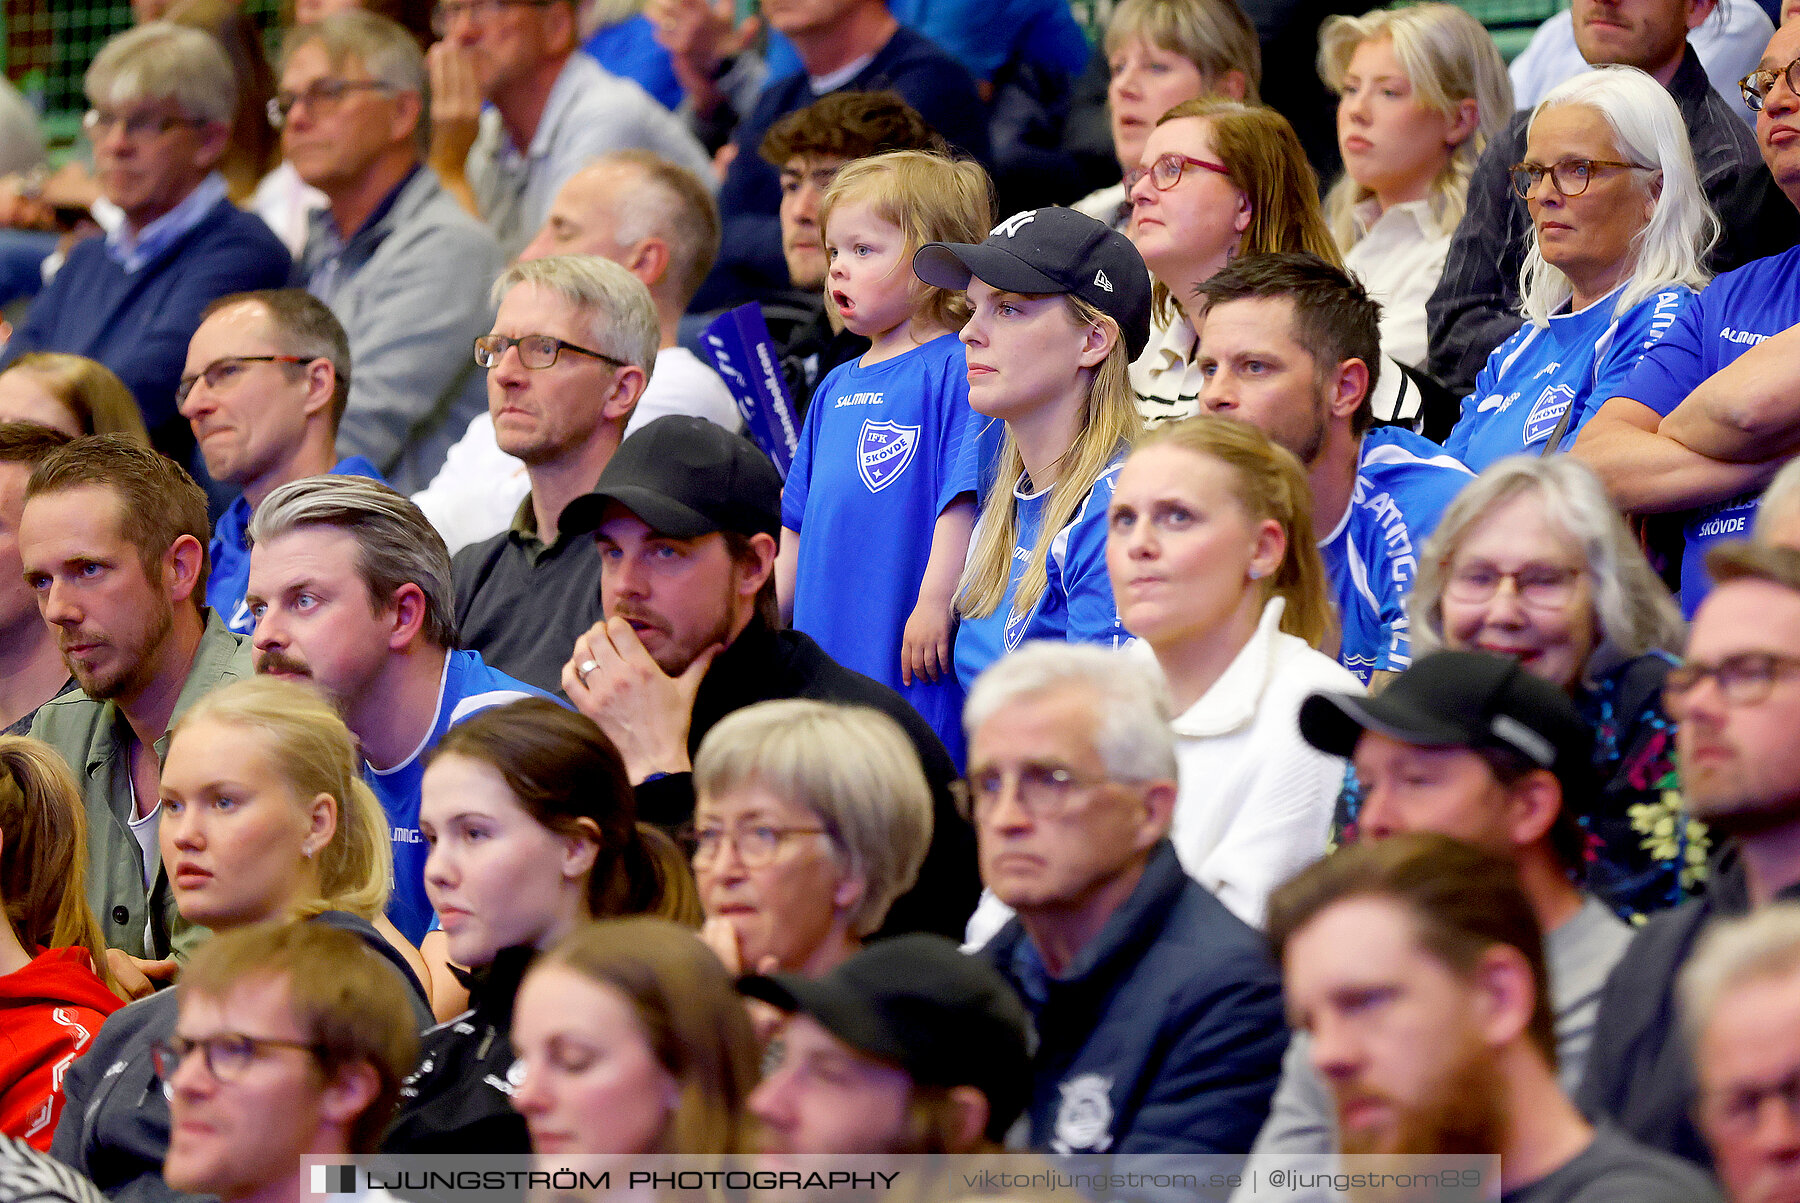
(1158, 1011)
(164, 97)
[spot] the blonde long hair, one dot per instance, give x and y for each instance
(315, 753)
(1450, 58)
(1270, 484)
(1109, 423)
(43, 853)
(1263, 160)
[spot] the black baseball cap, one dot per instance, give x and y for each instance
(945, 1018)
(686, 477)
(1462, 700)
(1052, 250)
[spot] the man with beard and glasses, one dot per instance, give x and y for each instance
(1291, 346)
(350, 591)
(685, 518)
(1416, 966)
(113, 541)
(1737, 702)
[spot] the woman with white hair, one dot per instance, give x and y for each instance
(1420, 91)
(1533, 561)
(1619, 228)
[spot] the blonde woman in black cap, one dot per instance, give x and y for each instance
(1061, 306)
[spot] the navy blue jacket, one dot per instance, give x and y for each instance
(139, 324)
(1165, 1036)
(750, 265)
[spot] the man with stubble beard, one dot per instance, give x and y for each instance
(1416, 965)
(113, 541)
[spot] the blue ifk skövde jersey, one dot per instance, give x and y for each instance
(1732, 314)
(884, 450)
(1403, 483)
(467, 686)
(1535, 376)
(1077, 605)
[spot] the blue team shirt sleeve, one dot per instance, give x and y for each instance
(799, 477)
(1093, 615)
(959, 434)
(1639, 332)
(1485, 385)
(1666, 373)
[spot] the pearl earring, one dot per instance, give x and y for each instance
(1256, 574)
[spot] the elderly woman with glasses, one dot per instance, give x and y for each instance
(1619, 228)
(1533, 561)
(809, 820)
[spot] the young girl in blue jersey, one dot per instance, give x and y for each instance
(1061, 306)
(879, 504)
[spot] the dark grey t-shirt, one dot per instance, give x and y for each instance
(1615, 1169)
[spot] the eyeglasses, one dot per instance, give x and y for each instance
(480, 10)
(1755, 86)
(756, 845)
(1044, 791)
(321, 96)
(535, 350)
(1744, 679)
(1737, 1110)
(226, 1055)
(1538, 586)
(1165, 171)
(98, 124)
(221, 372)
(1570, 177)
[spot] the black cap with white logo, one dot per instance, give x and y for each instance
(1052, 250)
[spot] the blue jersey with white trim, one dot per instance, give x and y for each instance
(1536, 376)
(885, 449)
(1735, 312)
(1403, 483)
(1077, 605)
(467, 686)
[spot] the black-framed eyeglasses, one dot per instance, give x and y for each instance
(444, 14)
(1744, 679)
(97, 124)
(756, 844)
(1538, 586)
(226, 1055)
(1570, 177)
(221, 372)
(1755, 86)
(1043, 791)
(319, 96)
(535, 350)
(1165, 171)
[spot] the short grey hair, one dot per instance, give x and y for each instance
(618, 307)
(161, 61)
(1779, 500)
(852, 767)
(1632, 606)
(1131, 706)
(1648, 129)
(669, 202)
(385, 49)
(1733, 953)
(395, 545)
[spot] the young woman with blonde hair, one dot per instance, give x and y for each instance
(1421, 90)
(264, 817)
(1060, 304)
(1216, 569)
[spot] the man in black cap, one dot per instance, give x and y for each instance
(685, 518)
(926, 1048)
(1469, 745)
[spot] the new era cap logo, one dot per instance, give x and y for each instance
(1100, 280)
(333, 1179)
(1013, 224)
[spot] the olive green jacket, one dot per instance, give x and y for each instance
(94, 738)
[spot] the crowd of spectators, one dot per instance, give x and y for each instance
(605, 579)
